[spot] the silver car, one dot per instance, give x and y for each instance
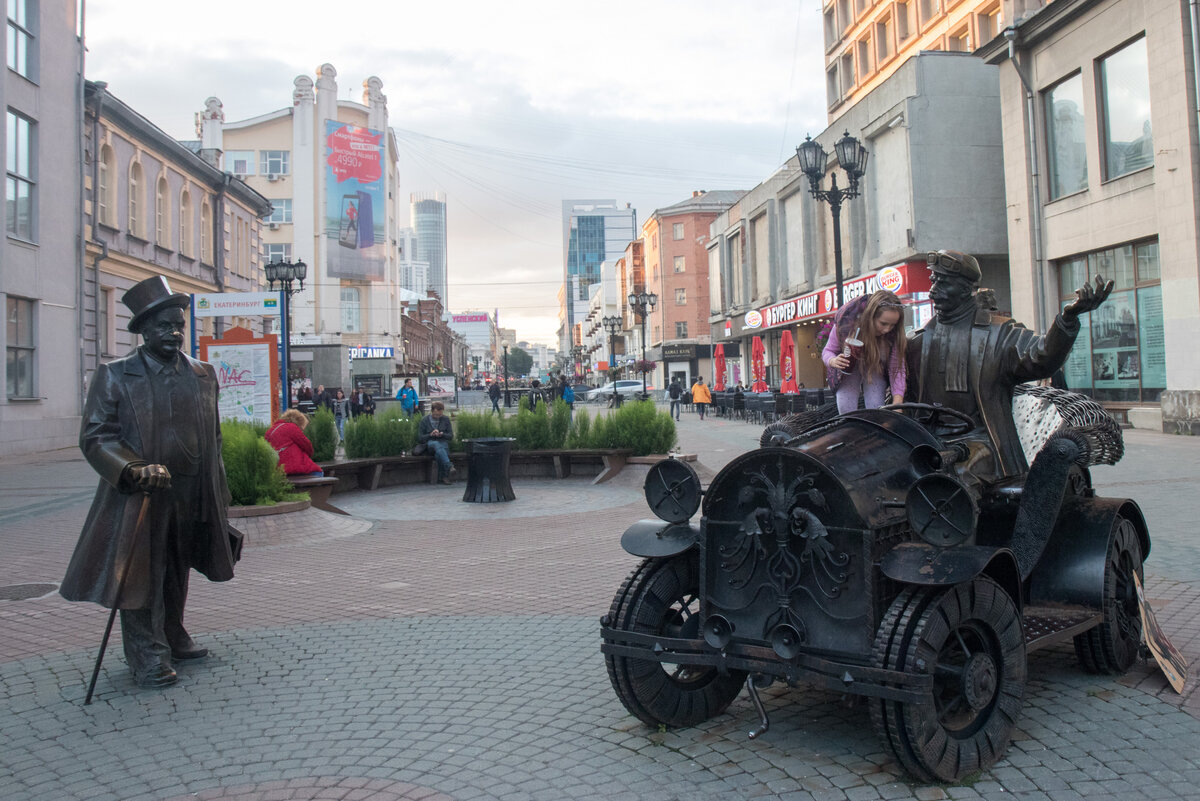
(626, 388)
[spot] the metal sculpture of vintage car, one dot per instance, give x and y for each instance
(857, 555)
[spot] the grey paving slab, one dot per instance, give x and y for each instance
(425, 648)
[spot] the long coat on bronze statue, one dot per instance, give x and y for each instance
(151, 425)
(117, 423)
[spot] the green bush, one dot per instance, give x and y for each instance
(361, 437)
(560, 424)
(638, 425)
(322, 432)
(531, 429)
(252, 467)
(396, 434)
(474, 425)
(581, 429)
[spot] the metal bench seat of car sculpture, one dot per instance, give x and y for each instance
(866, 554)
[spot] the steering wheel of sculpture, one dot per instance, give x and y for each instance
(930, 415)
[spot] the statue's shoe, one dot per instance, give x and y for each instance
(158, 676)
(188, 650)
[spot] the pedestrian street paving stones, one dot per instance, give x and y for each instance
(429, 649)
(519, 707)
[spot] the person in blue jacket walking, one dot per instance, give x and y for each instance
(408, 398)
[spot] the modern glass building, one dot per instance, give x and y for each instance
(594, 231)
(429, 220)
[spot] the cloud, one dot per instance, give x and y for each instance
(507, 108)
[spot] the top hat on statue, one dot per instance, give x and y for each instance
(149, 297)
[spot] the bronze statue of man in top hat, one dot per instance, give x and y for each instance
(152, 431)
(969, 360)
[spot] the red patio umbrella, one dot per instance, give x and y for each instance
(719, 378)
(758, 366)
(787, 361)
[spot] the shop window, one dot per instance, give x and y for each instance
(1120, 353)
(1125, 95)
(1065, 135)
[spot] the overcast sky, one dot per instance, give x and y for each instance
(507, 108)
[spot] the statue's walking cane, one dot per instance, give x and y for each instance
(137, 530)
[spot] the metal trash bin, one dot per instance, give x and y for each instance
(487, 470)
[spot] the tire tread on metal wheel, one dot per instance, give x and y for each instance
(661, 596)
(969, 638)
(1112, 647)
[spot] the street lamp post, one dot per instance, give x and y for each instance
(642, 304)
(612, 325)
(852, 157)
(286, 273)
(578, 352)
(507, 397)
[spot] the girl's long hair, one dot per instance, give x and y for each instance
(860, 314)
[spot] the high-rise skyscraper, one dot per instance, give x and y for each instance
(429, 220)
(594, 231)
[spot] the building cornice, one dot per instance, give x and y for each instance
(1035, 28)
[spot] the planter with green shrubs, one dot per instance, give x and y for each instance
(252, 467)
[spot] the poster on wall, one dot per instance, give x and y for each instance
(440, 386)
(1078, 369)
(244, 373)
(1151, 339)
(1115, 362)
(355, 211)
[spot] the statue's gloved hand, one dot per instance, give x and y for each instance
(150, 477)
(1088, 297)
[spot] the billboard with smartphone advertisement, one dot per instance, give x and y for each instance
(355, 209)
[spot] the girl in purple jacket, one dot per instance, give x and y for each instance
(877, 320)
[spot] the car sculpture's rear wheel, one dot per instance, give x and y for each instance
(1112, 647)
(661, 597)
(969, 639)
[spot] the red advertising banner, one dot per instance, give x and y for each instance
(903, 279)
(355, 153)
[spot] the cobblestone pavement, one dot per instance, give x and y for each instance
(429, 649)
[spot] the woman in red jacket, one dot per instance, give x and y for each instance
(286, 436)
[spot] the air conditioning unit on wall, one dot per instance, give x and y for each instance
(273, 226)
(272, 177)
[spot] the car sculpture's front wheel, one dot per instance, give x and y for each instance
(1112, 647)
(969, 639)
(661, 596)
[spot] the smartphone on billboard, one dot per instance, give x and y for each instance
(348, 222)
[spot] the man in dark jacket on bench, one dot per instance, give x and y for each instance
(435, 433)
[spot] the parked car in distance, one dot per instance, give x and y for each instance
(626, 388)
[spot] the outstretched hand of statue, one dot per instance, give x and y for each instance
(1088, 297)
(150, 477)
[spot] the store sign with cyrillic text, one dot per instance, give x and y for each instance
(903, 279)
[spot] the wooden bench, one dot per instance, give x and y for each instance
(611, 461)
(319, 489)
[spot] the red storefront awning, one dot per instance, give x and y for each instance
(903, 279)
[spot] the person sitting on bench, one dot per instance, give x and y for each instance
(295, 450)
(435, 433)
